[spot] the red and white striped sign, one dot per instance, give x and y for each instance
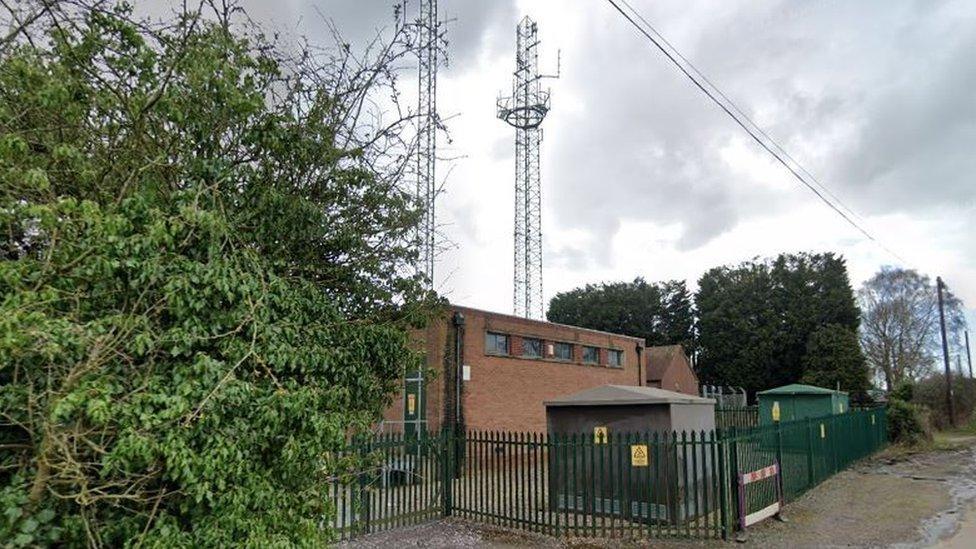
(760, 474)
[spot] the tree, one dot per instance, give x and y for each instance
(834, 360)
(900, 330)
(678, 323)
(811, 291)
(755, 319)
(659, 313)
(203, 278)
(737, 326)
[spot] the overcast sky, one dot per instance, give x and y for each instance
(643, 176)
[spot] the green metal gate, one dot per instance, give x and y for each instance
(399, 482)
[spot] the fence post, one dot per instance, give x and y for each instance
(810, 476)
(723, 489)
(734, 472)
(363, 496)
(447, 473)
(779, 459)
(556, 479)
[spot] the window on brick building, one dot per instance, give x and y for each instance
(496, 344)
(615, 358)
(562, 351)
(531, 347)
(591, 355)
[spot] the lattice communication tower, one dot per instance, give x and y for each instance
(430, 53)
(524, 110)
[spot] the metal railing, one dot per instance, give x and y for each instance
(626, 485)
(808, 451)
(738, 417)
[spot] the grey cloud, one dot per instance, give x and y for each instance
(875, 99)
(477, 27)
(570, 259)
(915, 148)
(471, 25)
(467, 22)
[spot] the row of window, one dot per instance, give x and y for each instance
(500, 344)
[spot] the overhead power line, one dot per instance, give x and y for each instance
(728, 106)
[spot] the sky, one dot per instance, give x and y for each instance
(643, 176)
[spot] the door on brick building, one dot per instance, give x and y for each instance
(414, 405)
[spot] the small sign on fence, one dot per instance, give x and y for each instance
(411, 404)
(760, 474)
(638, 455)
(600, 435)
(746, 518)
(823, 431)
(776, 410)
(872, 419)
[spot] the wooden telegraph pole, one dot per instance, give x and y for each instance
(945, 354)
(969, 357)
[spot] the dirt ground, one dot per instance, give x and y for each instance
(894, 499)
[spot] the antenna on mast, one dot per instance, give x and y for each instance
(525, 110)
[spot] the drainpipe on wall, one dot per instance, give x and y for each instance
(458, 322)
(640, 366)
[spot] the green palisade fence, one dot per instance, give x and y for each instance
(809, 451)
(685, 486)
(399, 483)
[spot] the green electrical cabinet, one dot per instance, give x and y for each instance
(798, 401)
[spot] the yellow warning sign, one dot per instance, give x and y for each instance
(600, 435)
(776, 410)
(823, 431)
(638, 455)
(411, 404)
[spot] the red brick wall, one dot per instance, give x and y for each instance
(680, 378)
(507, 393)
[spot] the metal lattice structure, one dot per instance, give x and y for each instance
(429, 53)
(525, 110)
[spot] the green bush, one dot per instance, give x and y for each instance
(904, 391)
(907, 423)
(201, 293)
(931, 393)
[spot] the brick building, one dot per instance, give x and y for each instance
(494, 371)
(668, 367)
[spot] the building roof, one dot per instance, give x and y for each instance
(615, 395)
(799, 389)
(661, 358)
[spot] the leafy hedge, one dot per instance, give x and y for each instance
(200, 291)
(908, 423)
(930, 392)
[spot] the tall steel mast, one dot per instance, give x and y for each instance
(525, 110)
